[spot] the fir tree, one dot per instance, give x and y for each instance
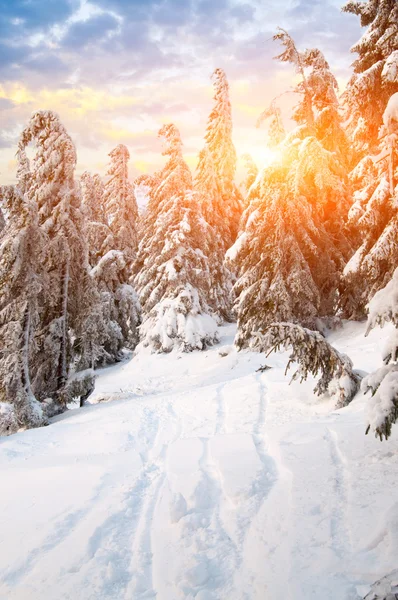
(383, 383)
(22, 251)
(227, 206)
(317, 116)
(100, 236)
(120, 306)
(173, 278)
(374, 221)
(208, 187)
(119, 301)
(270, 257)
(375, 76)
(66, 306)
(287, 259)
(120, 203)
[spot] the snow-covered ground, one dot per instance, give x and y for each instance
(202, 478)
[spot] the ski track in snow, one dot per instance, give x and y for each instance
(204, 480)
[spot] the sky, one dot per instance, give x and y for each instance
(116, 70)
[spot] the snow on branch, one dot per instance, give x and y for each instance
(314, 355)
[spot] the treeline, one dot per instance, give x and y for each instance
(313, 238)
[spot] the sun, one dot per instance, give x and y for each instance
(265, 156)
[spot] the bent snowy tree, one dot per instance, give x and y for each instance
(313, 355)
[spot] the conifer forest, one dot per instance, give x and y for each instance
(199, 350)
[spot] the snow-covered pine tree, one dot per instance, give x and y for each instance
(120, 306)
(317, 116)
(313, 355)
(119, 301)
(373, 218)
(120, 203)
(383, 383)
(375, 76)
(274, 256)
(292, 247)
(67, 305)
(100, 236)
(22, 252)
(323, 88)
(209, 190)
(228, 205)
(173, 277)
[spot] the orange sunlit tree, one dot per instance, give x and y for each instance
(293, 244)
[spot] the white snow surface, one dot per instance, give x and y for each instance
(202, 478)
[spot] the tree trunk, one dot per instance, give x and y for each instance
(63, 362)
(25, 376)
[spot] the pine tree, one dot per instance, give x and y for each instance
(110, 273)
(292, 248)
(100, 236)
(228, 204)
(66, 306)
(374, 221)
(383, 383)
(173, 278)
(120, 306)
(208, 188)
(22, 251)
(375, 76)
(271, 258)
(372, 215)
(120, 203)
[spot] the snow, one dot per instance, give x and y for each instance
(390, 116)
(195, 476)
(383, 306)
(390, 69)
(234, 250)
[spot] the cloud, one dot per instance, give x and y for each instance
(6, 104)
(113, 69)
(19, 17)
(91, 31)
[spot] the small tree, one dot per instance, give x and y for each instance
(120, 203)
(120, 306)
(314, 355)
(173, 277)
(22, 250)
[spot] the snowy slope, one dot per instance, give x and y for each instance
(201, 478)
